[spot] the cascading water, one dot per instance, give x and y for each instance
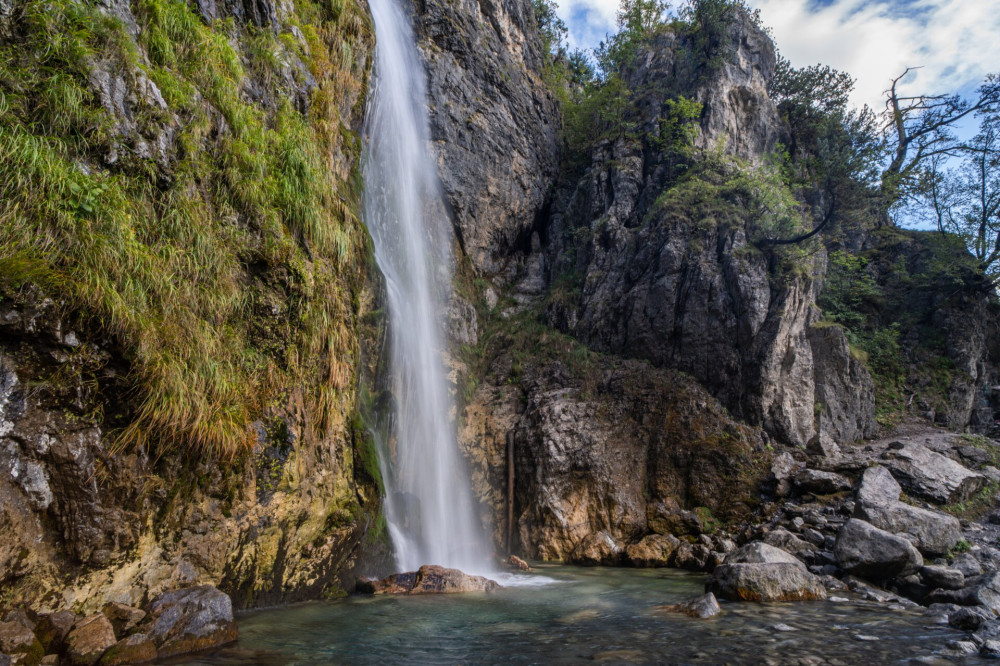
(428, 504)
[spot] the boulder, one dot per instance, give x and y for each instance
(823, 445)
(597, 548)
(654, 550)
(788, 542)
(692, 557)
(931, 475)
(783, 467)
(53, 628)
(867, 551)
(517, 564)
(89, 639)
(759, 572)
(934, 533)
(969, 619)
(702, 607)
(429, 579)
(877, 487)
(819, 482)
(967, 564)
(983, 590)
(942, 577)
(135, 649)
(123, 618)
(20, 644)
(190, 619)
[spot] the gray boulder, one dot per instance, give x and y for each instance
(788, 542)
(759, 572)
(820, 482)
(981, 591)
(942, 577)
(191, 619)
(933, 533)
(877, 486)
(869, 552)
(931, 475)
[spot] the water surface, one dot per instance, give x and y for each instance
(588, 614)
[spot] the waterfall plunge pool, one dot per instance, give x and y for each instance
(587, 614)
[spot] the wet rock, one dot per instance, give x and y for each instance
(53, 628)
(942, 577)
(990, 650)
(867, 551)
(931, 475)
(759, 572)
(692, 557)
(969, 618)
(983, 590)
(190, 619)
(20, 644)
(89, 639)
(123, 618)
(428, 579)
(135, 649)
(516, 563)
(702, 607)
(654, 550)
(596, 549)
(820, 482)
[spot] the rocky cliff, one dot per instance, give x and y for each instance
(660, 255)
(183, 302)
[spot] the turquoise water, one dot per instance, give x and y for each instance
(587, 614)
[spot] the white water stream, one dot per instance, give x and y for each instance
(429, 504)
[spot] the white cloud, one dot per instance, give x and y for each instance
(957, 42)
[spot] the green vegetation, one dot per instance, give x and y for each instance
(178, 254)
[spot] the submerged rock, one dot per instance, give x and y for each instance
(703, 607)
(867, 551)
(759, 572)
(428, 579)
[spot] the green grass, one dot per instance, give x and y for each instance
(174, 262)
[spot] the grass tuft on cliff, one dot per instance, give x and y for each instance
(211, 236)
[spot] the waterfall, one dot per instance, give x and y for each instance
(429, 506)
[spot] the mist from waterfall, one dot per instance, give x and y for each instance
(429, 506)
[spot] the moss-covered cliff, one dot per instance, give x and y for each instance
(185, 292)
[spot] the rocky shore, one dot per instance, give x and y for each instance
(876, 519)
(175, 623)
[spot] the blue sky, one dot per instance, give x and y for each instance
(956, 42)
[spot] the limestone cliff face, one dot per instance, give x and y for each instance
(681, 284)
(88, 515)
(494, 123)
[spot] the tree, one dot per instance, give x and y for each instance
(965, 200)
(919, 128)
